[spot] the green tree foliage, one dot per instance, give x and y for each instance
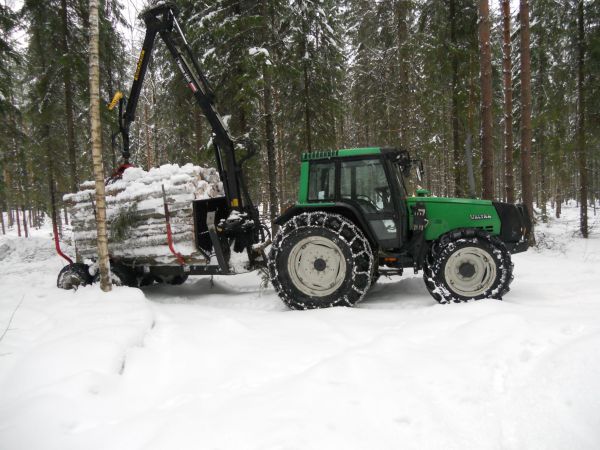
(335, 73)
(37, 151)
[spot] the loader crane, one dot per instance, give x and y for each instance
(223, 224)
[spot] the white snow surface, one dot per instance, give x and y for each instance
(229, 367)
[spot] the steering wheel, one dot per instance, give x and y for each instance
(366, 202)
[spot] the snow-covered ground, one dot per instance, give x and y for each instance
(229, 367)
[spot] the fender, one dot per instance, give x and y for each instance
(342, 208)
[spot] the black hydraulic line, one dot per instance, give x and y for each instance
(136, 88)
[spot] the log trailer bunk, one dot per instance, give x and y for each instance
(353, 220)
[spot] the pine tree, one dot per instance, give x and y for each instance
(509, 182)
(487, 150)
(526, 183)
(581, 150)
(269, 125)
(9, 59)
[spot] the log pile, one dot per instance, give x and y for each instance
(135, 213)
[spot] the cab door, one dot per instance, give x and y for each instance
(364, 182)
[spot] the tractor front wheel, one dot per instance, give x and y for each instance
(320, 260)
(468, 265)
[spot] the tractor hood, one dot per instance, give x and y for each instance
(510, 222)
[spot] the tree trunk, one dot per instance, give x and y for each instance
(581, 151)
(469, 138)
(509, 177)
(111, 92)
(402, 10)
(469, 163)
(25, 221)
(2, 218)
(306, 94)
(68, 87)
(307, 123)
(18, 222)
(103, 262)
(558, 200)
(198, 126)
(485, 62)
(149, 152)
(543, 180)
(269, 126)
(540, 131)
(457, 165)
(526, 185)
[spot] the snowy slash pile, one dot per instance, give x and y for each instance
(135, 212)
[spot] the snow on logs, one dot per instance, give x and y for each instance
(135, 213)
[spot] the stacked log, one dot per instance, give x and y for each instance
(135, 213)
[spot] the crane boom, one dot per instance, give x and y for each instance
(162, 20)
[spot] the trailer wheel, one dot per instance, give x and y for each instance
(468, 265)
(319, 260)
(122, 275)
(174, 280)
(73, 276)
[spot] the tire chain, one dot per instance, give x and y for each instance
(347, 232)
(441, 244)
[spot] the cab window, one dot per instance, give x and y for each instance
(321, 181)
(365, 182)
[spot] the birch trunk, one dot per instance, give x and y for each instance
(103, 262)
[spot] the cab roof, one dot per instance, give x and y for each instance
(347, 152)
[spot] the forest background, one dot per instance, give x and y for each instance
(499, 102)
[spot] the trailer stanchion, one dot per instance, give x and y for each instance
(177, 255)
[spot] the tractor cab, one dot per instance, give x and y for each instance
(366, 184)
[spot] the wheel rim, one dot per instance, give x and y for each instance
(470, 271)
(317, 266)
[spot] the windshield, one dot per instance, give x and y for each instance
(402, 185)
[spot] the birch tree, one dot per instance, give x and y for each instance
(98, 166)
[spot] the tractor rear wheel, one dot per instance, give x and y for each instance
(319, 260)
(467, 265)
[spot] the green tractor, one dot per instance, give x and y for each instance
(354, 221)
